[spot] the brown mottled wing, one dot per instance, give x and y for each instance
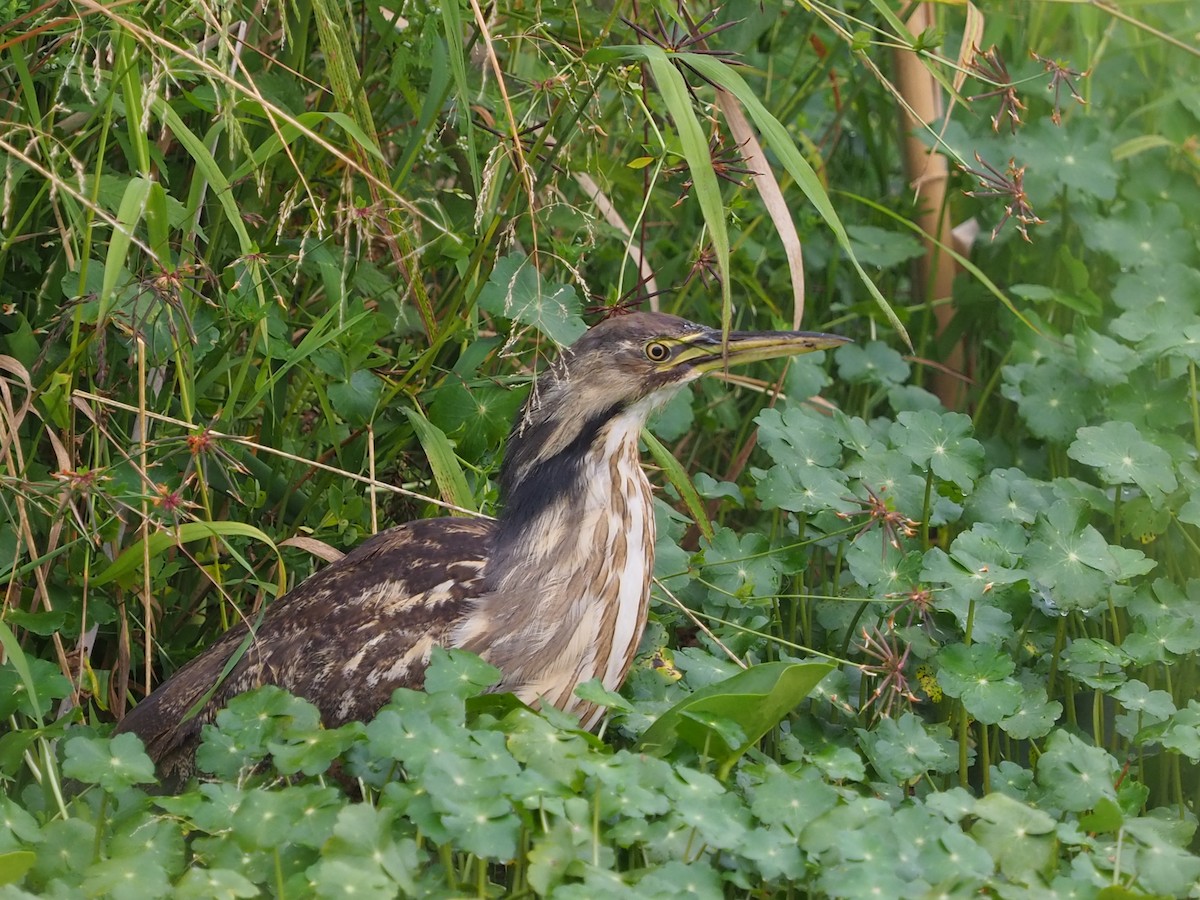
(344, 639)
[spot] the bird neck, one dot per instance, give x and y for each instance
(570, 567)
(558, 496)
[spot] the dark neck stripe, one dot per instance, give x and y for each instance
(528, 489)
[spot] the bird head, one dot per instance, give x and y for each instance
(623, 369)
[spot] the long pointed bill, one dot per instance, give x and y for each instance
(708, 353)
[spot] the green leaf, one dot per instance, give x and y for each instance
(692, 140)
(1053, 400)
(1122, 456)
(213, 884)
(906, 748)
(941, 443)
(113, 763)
(980, 561)
(756, 700)
(20, 827)
(700, 801)
(1137, 697)
(1142, 237)
(1163, 866)
(1105, 818)
(245, 728)
(1168, 622)
(66, 850)
(840, 763)
(882, 248)
(127, 879)
(158, 221)
(1074, 775)
(515, 290)
(472, 410)
(357, 400)
(553, 854)
(1008, 495)
(674, 419)
(792, 800)
(14, 864)
(1168, 288)
(1019, 838)
(1076, 158)
(1035, 718)
(1070, 561)
(595, 692)
(776, 138)
(740, 569)
(894, 479)
(313, 753)
(1102, 359)
(873, 362)
(1182, 732)
(129, 215)
(676, 878)
(980, 676)
(198, 150)
(459, 673)
(1089, 305)
(364, 852)
(807, 476)
(1096, 663)
(40, 623)
(877, 565)
(678, 477)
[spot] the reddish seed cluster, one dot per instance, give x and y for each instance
(80, 481)
(893, 523)
(200, 442)
(893, 689)
(168, 500)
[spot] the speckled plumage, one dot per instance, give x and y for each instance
(554, 592)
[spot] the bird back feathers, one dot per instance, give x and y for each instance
(345, 639)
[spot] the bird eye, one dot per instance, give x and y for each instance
(657, 352)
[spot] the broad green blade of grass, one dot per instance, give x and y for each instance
(133, 95)
(447, 471)
(158, 227)
(678, 476)
(15, 657)
(303, 125)
(211, 171)
(755, 701)
(131, 558)
(129, 214)
(453, 28)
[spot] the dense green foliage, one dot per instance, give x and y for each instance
(254, 261)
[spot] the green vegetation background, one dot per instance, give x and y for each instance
(273, 277)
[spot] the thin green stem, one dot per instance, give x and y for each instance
(1194, 396)
(964, 770)
(926, 508)
(985, 758)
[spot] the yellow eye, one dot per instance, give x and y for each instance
(657, 352)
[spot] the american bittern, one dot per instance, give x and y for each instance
(553, 593)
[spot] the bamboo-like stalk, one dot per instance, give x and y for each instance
(928, 173)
